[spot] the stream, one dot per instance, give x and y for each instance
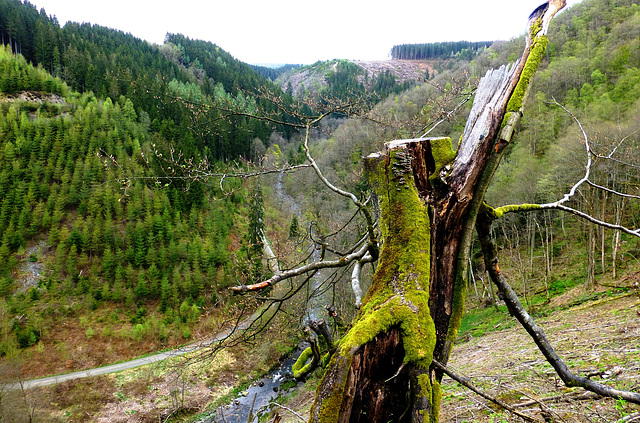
(258, 396)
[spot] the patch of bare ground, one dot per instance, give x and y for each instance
(600, 339)
(403, 70)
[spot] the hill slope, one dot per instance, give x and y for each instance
(382, 77)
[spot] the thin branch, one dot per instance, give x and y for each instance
(612, 191)
(574, 396)
(465, 382)
(450, 113)
(316, 265)
(587, 172)
(592, 219)
(290, 410)
(498, 212)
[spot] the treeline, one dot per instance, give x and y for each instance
(110, 63)
(107, 237)
(464, 50)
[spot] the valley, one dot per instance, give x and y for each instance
(147, 192)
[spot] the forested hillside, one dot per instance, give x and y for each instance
(140, 244)
(107, 62)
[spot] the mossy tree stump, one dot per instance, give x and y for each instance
(429, 197)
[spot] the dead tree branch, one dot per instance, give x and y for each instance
(465, 382)
(560, 204)
(316, 265)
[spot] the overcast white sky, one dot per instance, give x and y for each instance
(302, 31)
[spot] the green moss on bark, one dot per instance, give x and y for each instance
(457, 309)
(535, 57)
(302, 366)
(443, 154)
(399, 295)
(500, 211)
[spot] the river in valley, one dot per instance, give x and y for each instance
(257, 398)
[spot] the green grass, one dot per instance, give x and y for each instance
(479, 321)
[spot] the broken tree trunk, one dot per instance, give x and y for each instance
(429, 197)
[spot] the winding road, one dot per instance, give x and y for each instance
(125, 365)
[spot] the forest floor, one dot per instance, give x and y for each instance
(600, 338)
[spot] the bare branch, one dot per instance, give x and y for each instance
(316, 265)
(290, 410)
(592, 219)
(612, 191)
(450, 113)
(498, 212)
(587, 172)
(355, 278)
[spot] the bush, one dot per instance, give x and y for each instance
(186, 333)
(137, 332)
(27, 337)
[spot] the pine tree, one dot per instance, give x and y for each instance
(141, 290)
(294, 228)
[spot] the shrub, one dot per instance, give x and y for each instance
(137, 332)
